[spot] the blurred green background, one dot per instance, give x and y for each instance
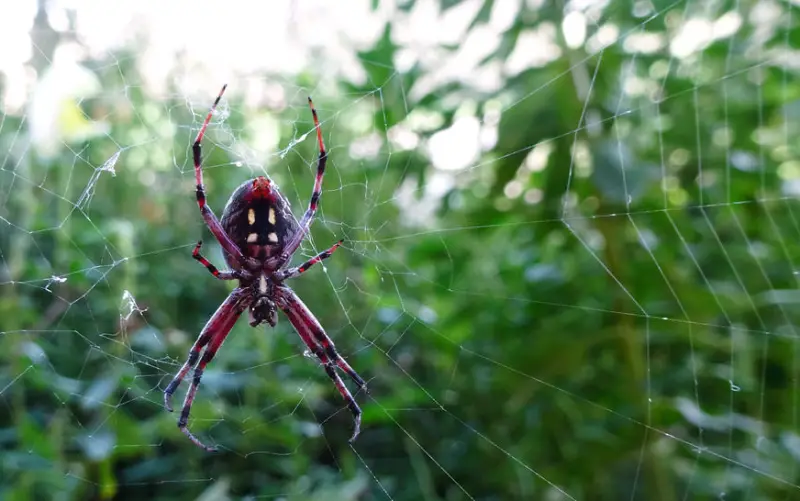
(570, 265)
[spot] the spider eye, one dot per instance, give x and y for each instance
(261, 185)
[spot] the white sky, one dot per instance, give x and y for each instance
(215, 41)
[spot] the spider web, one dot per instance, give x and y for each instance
(475, 358)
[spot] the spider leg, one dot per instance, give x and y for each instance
(305, 222)
(313, 335)
(212, 335)
(313, 327)
(222, 275)
(208, 215)
(351, 402)
(298, 270)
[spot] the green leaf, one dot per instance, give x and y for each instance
(618, 174)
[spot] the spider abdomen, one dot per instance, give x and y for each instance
(258, 219)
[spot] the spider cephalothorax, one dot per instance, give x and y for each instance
(259, 234)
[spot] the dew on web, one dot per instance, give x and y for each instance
(54, 280)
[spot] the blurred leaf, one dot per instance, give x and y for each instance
(217, 491)
(619, 175)
(99, 391)
(98, 445)
(21, 461)
(37, 440)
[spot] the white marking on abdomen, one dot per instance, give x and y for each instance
(252, 238)
(272, 237)
(271, 215)
(251, 216)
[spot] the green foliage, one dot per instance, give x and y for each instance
(615, 322)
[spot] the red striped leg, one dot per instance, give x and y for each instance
(298, 270)
(320, 344)
(222, 275)
(208, 215)
(308, 217)
(212, 336)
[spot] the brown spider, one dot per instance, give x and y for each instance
(259, 234)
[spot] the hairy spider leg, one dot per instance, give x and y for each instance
(221, 322)
(211, 337)
(208, 215)
(316, 330)
(313, 335)
(299, 270)
(308, 217)
(222, 275)
(218, 319)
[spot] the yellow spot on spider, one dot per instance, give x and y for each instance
(272, 237)
(253, 237)
(251, 216)
(271, 216)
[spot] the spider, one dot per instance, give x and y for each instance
(259, 235)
